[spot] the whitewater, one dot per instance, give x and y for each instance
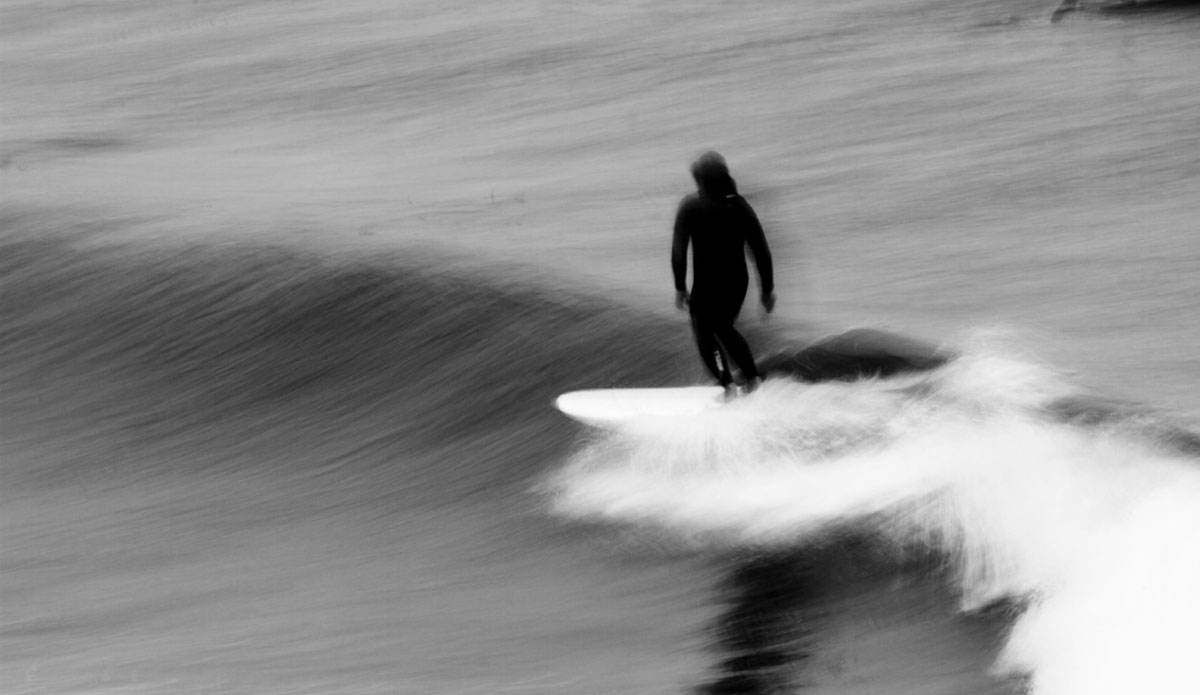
(1069, 508)
(288, 289)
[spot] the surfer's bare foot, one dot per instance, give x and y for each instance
(731, 391)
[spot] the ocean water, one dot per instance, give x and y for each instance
(287, 290)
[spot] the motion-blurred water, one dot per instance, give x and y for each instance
(286, 289)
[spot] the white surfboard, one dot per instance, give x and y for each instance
(613, 407)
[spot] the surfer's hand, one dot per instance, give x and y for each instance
(768, 302)
(681, 299)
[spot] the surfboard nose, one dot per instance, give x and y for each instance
(611, 407)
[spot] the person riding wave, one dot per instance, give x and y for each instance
(718, 225)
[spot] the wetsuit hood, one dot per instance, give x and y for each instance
(712, 176)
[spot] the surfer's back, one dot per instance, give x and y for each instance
(718, 230)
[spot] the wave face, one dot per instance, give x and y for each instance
(1036, 495)
(156, 341)
(251, 468)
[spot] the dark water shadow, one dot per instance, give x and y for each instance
(1128, 8)
(765, 634)
(860, 353)
(1149, 8)
(783, 627)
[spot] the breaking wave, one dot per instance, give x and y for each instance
(1039, 496)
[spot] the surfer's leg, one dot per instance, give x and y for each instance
(739, 352)
(723, 312)
(711, 352)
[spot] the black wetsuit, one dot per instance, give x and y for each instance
(719, 227)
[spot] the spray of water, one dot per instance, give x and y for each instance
(1087, 522)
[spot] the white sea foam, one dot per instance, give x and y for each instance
(1090, 525)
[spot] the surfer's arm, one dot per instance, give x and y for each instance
(679, 249)
(757, 241)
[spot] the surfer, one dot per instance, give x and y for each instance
(719, 224)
